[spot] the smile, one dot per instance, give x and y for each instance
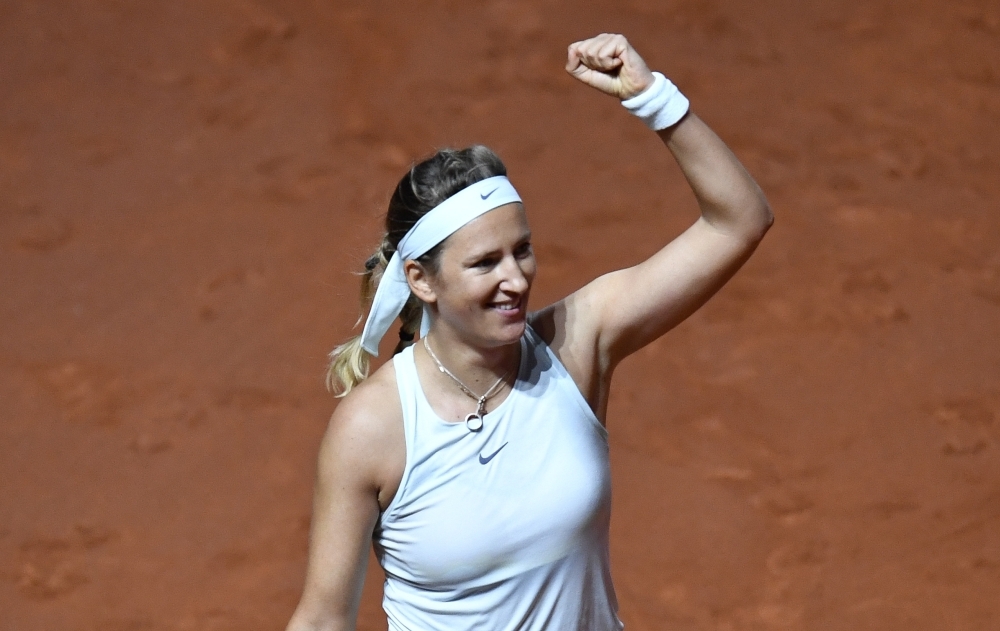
(507, 306)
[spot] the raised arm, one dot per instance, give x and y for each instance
(620, 312)
(358, 456)
(641, 303)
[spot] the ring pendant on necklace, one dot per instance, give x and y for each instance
(474, 420)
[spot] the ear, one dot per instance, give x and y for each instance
(420, 281)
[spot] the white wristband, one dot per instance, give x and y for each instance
(660, 105)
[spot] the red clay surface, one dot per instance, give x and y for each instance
(186, 186)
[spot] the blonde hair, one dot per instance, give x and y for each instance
(427, 184)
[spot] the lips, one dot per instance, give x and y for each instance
(508, 307)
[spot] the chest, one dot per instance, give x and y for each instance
(530, 488)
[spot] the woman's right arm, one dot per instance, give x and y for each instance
(354, 458)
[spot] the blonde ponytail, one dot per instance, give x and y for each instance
(349, 362)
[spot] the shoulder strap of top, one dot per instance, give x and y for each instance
(547, 357)
(542, 352)
(408, 384)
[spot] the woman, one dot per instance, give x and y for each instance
(476, 460)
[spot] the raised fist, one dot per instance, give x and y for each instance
(610, 64)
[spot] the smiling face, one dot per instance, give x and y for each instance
(480, 290)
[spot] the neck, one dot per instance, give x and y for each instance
(477, 367)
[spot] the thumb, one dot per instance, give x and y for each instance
(574, 59)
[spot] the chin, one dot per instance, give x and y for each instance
(506, 335)
(515, 332)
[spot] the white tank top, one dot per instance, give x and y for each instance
(505, 528)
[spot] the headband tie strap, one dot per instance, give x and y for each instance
(433, 228)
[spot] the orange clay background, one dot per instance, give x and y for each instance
(186, 187)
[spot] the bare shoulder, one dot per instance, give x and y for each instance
(571, 328)
(364, 439)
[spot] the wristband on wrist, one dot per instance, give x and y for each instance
(660, 105)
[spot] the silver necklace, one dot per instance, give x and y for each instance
(473, 421)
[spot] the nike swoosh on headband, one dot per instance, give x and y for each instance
(491, 456)
(488, 194)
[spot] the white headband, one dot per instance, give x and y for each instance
(433, 228)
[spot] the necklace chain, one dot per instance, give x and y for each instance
(480, 400)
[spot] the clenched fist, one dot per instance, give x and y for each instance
(610, 64)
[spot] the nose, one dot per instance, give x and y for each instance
(513, 278)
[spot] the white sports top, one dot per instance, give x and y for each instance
(505, 528)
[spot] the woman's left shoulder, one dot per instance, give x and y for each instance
(564, 328)
(569, 326)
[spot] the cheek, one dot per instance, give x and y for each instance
(469, 291)
(529, 268)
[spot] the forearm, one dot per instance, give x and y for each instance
(729, 198)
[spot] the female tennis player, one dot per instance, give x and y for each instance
(476, 461)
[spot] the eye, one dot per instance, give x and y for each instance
(485, 263)
(523, 250)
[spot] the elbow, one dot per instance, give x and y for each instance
(747, 218)
(762, 220)
(767, 219)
